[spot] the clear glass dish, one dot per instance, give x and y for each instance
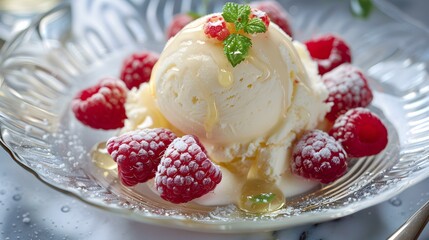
(71, 47)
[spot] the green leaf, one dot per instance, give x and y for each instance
(230, 12)
(263, 198)
(194, 15)
(255, 25)
(243, 17)
(361, 8)
(236, 47)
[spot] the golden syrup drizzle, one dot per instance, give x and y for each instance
(260, 65)
(212, 116)
(101, 158)
(260, 196)
(225, 78)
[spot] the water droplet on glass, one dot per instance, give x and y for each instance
(65, 209)
(2, 192)
(395, 202)
(16, 197)
(26, 220)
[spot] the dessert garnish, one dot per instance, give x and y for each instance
(276, 13)
(361, 8)
(178, 22)
(138, 153)
(185, 171)
(215, 27)
(319, 157)
(101, 106)
(361, 132)
(348, 88)
(232, 27)
(137, 68)
(328, 51)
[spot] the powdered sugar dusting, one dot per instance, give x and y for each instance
(348, 88)
(319, 156)
(185, 171)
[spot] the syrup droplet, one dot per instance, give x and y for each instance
(225, 78)
(259, 196)
(101, 158)
(212, 117)
(261, 66)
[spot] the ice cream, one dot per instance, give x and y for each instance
(246, 116)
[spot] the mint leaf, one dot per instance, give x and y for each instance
(361, 8)
(242, 17)
(263, 198)
(236, 48)
(230, 12)
(255, 25)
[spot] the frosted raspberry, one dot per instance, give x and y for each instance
(276, 13)
(329, 51)
(101, 106)
(179, 21)
(138, 153)
(256, 13)
(348, 88)
(137, 68)
(360, 132)
(215, 27)
(320, 157)
(185, 171)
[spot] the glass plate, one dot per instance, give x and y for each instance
(71, 47)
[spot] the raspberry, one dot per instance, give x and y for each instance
(320, 157)
(329, 51)
(179, 21)
(138, 153)
(137, 68)
(261, 15)
(215, 27)
(348, 88)
(101, 106)
(360, 132)
(276, 13)
(185, 171)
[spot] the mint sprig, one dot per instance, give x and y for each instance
(236, 48)
(230, 12)
(255, 25)
(236, 45)
(361, 8)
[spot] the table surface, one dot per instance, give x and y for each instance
(31, 210)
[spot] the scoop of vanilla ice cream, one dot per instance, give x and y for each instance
(247, 116)
(142, 111)
(200, 93)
